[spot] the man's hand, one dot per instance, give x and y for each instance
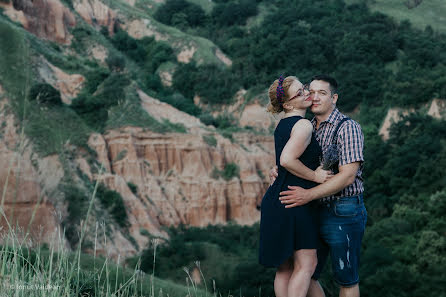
(273, 173)
(295, 196)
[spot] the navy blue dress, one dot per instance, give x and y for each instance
(284, 230)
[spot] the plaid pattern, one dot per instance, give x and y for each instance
(350, 146)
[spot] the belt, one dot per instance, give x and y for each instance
(357, 198)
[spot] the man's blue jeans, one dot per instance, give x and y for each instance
(342, 225)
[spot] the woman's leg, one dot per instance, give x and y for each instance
(304, 264)
(282, 278)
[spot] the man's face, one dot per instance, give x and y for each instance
(323, 100)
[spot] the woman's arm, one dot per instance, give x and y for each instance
(300, 138)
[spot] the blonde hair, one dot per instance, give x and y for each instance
(275, 106)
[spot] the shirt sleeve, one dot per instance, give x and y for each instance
(350, 143)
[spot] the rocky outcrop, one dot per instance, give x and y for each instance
(436, 109)
(69, 85)
(48, 19)
(223, 57)
(186, 54)
(251, 114)
(96, 13)
(185, 47)
(98, 52)
(178, 177)
(174, 176)
(25, 182)
(140, 28)
(162, 111)
(255, 115)
(166, 78)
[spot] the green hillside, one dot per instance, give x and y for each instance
(427, 13)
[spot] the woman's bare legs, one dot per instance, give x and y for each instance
(304, 264)
(283, 274)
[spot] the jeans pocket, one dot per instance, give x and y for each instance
(346, 209)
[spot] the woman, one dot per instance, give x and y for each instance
(289, 236)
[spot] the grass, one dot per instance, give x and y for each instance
(54, 271)
(53, 129)
(428, 13)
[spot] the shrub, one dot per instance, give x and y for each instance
(184, 104)
(115, 62)
(128, 45)
(45, 94)
(94, 108)
(210, 140)
(231, 170)
(232, 13)
(133, 187)
(94, 78)
(181, 13)
(175, 127)
(214, 85)
(77, 206)
(113, 202)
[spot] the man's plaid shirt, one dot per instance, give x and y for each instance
(350, 144)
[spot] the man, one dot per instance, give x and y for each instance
(340, 199)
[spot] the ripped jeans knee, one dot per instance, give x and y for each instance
(342, 225)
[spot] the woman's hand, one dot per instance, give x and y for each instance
(321, 175)
(273, 173)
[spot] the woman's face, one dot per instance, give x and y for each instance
(299, 96)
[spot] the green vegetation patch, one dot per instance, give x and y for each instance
(214, 85)
(44, 270)
(206, 5)
(226, 254)
(114, 203)
(45, 94)
(129, 112)
(15, 73)
(53, 129)
(428, 13)
(210, 140)
(230, 171)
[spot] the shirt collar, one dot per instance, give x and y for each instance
(334, 116)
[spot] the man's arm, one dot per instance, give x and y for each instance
(298, 196)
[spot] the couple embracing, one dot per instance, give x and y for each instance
(311, 211)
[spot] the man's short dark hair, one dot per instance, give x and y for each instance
(330, 80)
